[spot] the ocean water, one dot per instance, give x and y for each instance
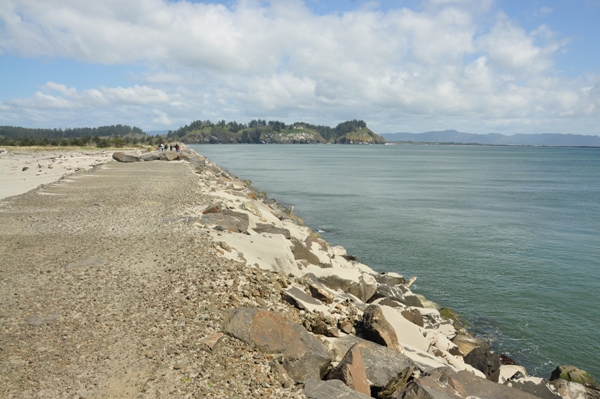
(508, 237)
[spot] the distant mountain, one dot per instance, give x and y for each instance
(453, 136)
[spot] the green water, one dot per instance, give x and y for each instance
(509, 237)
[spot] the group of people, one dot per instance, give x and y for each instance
(164, 147)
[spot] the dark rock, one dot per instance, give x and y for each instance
(24, 168)
(377, 329)
(301, 252)
(317, 289)
(351, 371)
(387, 370)
(320, 327)
(507, 361)
(414, 316)
(270, 229)
(485, 361)
(397, 293)
(332, 389)
(361, 285)
(300, 299)
(122, 157)
(304, 357)
(445, 383)
(574, 374)
(213, 208)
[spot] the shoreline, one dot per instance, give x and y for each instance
(267, 253)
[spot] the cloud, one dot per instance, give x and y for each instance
(443, 61)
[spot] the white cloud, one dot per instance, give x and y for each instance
(279, 60)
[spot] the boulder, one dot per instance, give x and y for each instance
(390, 278)
(397, 293)
(466, 343)
(377, 329)
(406, 332)
(445, 383)
(171, 155)
(351, 371)
(574, 390)
(317, 289)
(225, 222)
(303, 301)
(122, 157)
(332, 389)
(301, 252)
(574, 374)
(304, 357)
(150, 156)
(413, 315)
(352, 281)
(536, 386)
(213, 208)
(270, 229)
(386, 369)
(485, 361)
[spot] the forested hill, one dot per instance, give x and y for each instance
(102, 136)
(274, 132)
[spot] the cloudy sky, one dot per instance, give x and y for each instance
(478, 66)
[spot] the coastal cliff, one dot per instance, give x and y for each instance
(163, 275)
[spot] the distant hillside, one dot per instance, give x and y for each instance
(453, 136)
(274, 132)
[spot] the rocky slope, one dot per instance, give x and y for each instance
(177, 279)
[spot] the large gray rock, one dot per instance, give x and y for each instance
(390, 278)
(235, 222)
(485, 361)
(385, 367)
(534, 385)
(304, 356)
(332, 389)
(351, 371)
(122, 157)
(317, 289)
(301, 252)
(467, 343)
(397, 293)
(150, 156)
(574, 390)
(352, 281)
(302, 300)
(377, 329)
(445, 383)
(270, 229)
(171, 155)
(574, 374)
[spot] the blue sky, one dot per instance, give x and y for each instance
(417, 65)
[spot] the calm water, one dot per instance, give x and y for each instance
(508, 237)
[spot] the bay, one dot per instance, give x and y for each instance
(509, 237)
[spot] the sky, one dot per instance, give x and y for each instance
(477, 66)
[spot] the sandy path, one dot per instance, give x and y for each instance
(107, 289)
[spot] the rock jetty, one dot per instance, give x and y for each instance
(143, 278)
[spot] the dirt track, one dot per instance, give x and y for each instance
(107, 289)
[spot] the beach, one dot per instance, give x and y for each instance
(178, 279)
